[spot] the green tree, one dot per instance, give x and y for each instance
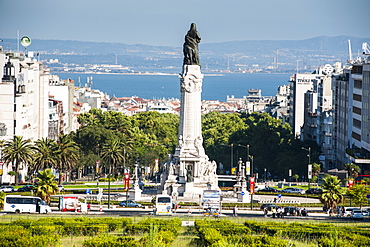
(46, 185)
(295, 177)
(267, 138)
(17, 153)
(45, 154)
(358, 193)
(316, 169)
(331, 195)
(67, 155)
(352, 169)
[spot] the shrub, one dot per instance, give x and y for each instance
(111, 241)
(172, 225)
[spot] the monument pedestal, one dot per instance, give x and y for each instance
(190, 172)
(243, 196)
(135, 193)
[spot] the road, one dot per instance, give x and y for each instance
(197, 213)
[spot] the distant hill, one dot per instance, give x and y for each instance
(235, 55)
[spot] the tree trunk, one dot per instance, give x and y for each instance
(15, 168)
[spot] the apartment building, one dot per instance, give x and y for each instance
(358, 132)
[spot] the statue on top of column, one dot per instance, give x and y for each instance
(190, 49)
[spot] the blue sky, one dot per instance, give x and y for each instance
(165, 22)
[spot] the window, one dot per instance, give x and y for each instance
(357, 110)
(357, 123)
(356, 136)
(358, 84)
(357, 97)
(164, 200)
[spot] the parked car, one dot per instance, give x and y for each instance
(268, 189)
(7, 189)
(293, 190)
(348, 211)
(291, 211)
(314, 191)
(269, 206)
(130, 204)
(357, 214)
(25, 188)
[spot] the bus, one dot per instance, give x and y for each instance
(163, 205)
(25, 204)
(211, 203)
(359, 178)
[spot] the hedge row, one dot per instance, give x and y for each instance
(222, 233)
(324, 234)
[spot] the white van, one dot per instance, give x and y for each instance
(25, 204)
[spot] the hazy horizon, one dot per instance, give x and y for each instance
(165, 22)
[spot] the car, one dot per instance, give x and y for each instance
(348, 211)
(314, 191)
(269, 206)
(291, 211)
(293, 190)
(357, 214)
(130, 204)
(25, 188)
(60, 188)
(268, 189)
(7, 189)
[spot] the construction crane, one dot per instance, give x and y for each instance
(365, 49)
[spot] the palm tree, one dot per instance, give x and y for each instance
(17, 153)
(67, 155)
(45, 154)
(46, 185)
(2, 197)
(352, 169)
(316, 168)
(331, 195)
(113, 153)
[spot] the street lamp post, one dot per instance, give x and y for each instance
(309, 167)
(252, 175)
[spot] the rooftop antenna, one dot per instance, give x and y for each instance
(18, 39)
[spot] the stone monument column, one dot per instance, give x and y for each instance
(194, 172)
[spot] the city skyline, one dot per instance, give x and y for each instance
(166, 22)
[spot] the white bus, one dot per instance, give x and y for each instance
(25, 204)
(163, 205)
(211, 202)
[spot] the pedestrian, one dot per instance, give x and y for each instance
(273, 212)
(235, 211)
(265, 212)
(342, 210)
(279, 213)
(330, 212)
